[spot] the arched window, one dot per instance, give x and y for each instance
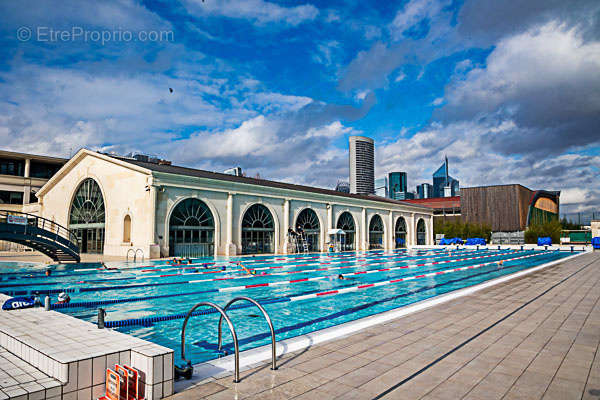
(87, 217)
(308, 223)
(258, 230)
(191, 230)
(127, 229)
(346, 223)
(421, 232)
(400, 233)
(376, 232)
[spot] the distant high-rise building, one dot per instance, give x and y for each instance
(381, 187)
(397, 183)
(343, 187)
(362, 165)
(237, 171)
(424, 191)
(404, 196)
(443, 184)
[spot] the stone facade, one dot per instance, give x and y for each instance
(149, 197)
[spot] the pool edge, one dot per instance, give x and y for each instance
(218, 368)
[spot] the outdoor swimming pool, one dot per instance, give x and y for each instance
(301, 293)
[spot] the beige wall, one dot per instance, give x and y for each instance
(595, 228)
(149, 198)
(124, 192)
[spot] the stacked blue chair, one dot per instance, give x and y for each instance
(445, 242)
(596, 242)
(544, 241)
(475, 242)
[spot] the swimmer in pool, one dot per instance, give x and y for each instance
(48, 272)
(106, 267)
(63, 298)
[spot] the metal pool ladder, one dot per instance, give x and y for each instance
(267, 318)
(187, 372)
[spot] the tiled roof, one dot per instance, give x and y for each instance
(438, 202)
(199, 173)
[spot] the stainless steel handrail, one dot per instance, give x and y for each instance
(127, 257)
(264, 312)
(231, 328)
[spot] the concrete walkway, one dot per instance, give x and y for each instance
(536, 337)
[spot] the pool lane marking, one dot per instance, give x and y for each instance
(153, 284)
(145, 320)
(389, 256)
(371, 271)
(134, 299)
(168, 266)
(215, 264)
(119, 287)
(227, 272)
(390, 259)
(383, 283)
(317, 263)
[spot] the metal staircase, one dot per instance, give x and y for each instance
(41, 234)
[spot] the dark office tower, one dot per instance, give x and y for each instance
(398, 185)
(443, 184)
(362, 165)
(424, 191)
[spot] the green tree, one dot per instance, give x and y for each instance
(550, 229)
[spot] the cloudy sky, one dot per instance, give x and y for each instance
(509, 90)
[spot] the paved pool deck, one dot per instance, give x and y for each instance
(534, 337)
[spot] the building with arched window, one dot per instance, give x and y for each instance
(115, 204)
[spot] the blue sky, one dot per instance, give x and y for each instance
(511, 93)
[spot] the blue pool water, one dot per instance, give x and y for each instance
(149, 300)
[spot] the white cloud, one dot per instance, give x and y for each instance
(438, 101)
(258, 11)
(526, 65)
(573, 195)
(413, 12)
(400, 77)
(326, 52)
(361, 95)
(474, 162)
(113, 14)
(332, 130)
(278, 102)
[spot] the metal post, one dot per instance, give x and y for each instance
(47, 303)
(101, 315)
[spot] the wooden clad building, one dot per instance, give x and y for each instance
(508, 208)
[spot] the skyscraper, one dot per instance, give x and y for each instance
(398, 185)
(362, 165)
(443, 184)
(424, 191)
(381, 187)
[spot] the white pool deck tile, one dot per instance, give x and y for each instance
(48, 355)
